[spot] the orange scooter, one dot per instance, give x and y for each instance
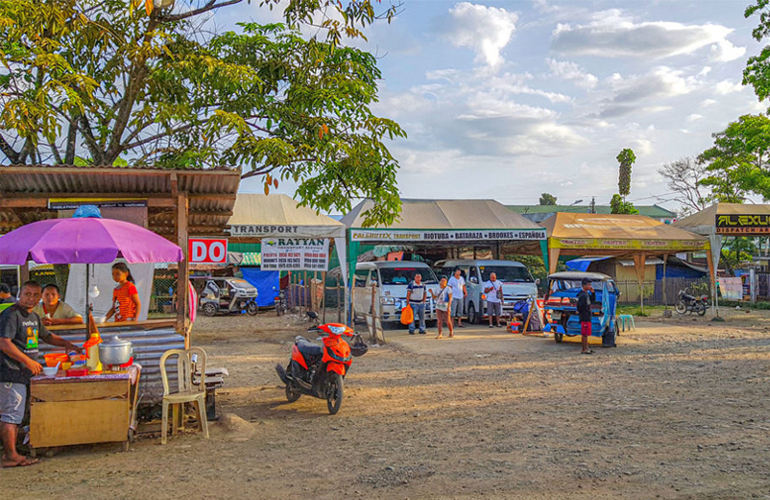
(319, 371)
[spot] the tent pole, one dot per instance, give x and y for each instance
(88, 307)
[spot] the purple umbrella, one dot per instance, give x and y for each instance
(87, 240)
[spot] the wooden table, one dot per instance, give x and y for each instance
(92, 409)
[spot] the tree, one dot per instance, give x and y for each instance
(684, 177)
(618, 206)
(626, 158)
(95, 82)
(737, 164)
(547, 199)
(757, 72)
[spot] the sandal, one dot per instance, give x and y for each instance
(587, 352)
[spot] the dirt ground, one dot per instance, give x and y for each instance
(679, 410)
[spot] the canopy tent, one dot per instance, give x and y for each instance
(257, 216)
(431, 223)
(726, 219)
(616, 235)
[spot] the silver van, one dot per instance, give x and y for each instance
(387, 282)
(518, 283)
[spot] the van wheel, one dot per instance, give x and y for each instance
(558, 337)
(473, 316)
(210, 309)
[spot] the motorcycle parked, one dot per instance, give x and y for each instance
(319, 371)
(690, 303)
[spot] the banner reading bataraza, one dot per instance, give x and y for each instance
(295, 254)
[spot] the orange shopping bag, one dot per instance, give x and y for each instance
(407, 315)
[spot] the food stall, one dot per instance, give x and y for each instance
(90, 398)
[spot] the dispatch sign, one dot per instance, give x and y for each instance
(742, 224)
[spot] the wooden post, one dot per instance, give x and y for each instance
(23, 274)
(339, 309)
(182, 208)
(323, 297)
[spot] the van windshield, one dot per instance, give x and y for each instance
(508, 274)
(404, 275)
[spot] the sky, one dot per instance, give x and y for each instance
(507, 100)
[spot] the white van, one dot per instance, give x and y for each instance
(389, 281)
(518, 283)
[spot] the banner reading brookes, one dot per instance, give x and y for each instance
(295, 254)
(446, 234)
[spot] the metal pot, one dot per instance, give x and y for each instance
(115, 351)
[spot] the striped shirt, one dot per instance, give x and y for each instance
(125, 308)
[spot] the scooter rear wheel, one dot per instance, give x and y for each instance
(334, 393)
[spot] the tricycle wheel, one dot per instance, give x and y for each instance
(291, 394)
(334, 393)
(558, 337)
(210, 309)
(252, 309)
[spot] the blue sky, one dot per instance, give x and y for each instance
(507, 100)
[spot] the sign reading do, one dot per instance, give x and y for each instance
(207, 251)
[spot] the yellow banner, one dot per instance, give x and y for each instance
(611, 244)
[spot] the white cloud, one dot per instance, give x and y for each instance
(694, 117)
(724, 51)
(570, 71)
(728, 87)
(485, 30)
(708, 102)
(612, 34)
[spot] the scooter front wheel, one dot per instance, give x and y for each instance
(292, 394)
(252, 309)
(334, 393)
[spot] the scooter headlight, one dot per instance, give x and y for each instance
(337, 330)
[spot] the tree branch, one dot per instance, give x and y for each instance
(156, 137)
(8, 151)
(97, 155)
(211, 5)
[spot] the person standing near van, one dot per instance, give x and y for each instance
(584, 300)
(415, 296)
(443, 299)
(493, 289)
(459, 292)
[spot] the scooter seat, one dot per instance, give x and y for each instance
(308, 348)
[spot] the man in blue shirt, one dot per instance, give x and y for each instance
(415, 296)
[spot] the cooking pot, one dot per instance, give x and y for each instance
(115, 351)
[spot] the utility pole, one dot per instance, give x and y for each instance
(593, 204)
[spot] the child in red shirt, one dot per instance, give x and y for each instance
(125, 297)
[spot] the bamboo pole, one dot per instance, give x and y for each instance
(323, 297)
(339, 310)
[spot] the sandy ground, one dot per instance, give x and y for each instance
(679, 410)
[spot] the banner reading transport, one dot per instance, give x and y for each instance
(447, 235)
(295, 254)
(742, 224)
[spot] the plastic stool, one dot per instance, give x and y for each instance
(624, 319)
(550, 327)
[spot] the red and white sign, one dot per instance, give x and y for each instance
(207, 251)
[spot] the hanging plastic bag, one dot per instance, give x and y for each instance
(407, 315)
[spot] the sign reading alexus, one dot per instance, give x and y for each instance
(207, 251)
(742, 224)
(447, 235)
(295, 254)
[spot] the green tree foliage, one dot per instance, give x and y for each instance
(737, 164)
(547, 199)
(619, 206)
(626, 158)
(757, 72)
(94, 81)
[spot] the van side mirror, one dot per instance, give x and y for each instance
(537, 281)
(474, 280)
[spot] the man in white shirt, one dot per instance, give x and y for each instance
(459, 292)
(493, 289)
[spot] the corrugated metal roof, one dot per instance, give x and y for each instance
(211, 192)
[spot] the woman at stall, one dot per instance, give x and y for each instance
(55, 312)
(125, 298)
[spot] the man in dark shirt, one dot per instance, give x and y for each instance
(20, 330)
(5, 295)
(584, 300)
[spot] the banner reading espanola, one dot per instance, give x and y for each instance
(295, 254)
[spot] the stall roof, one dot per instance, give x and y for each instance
(705, 221)
(278, 215)
(25, 190)
(617, 234)
(446, 214)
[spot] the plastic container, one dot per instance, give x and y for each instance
(54, 358)
(91, 348)
(77, 372)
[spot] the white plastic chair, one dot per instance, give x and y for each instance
(187, 391)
